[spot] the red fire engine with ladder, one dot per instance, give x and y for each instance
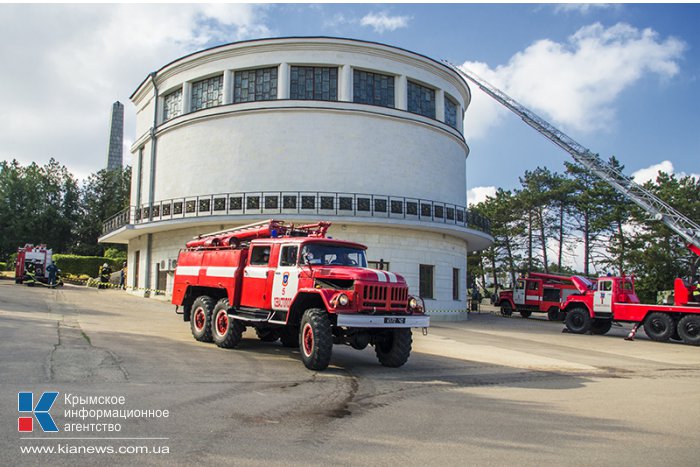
(296, 285)
(537, 293)
(31, 264)
(613, 298)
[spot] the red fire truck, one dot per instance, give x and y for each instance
(538, 293)
(596, 306)
(296, 285)
(32, 262)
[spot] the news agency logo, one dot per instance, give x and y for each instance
(25, 404)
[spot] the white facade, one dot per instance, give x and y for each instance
(383, 173)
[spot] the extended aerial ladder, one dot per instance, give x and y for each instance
(658, 209)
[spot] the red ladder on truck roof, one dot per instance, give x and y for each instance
(657, 208)
(232, 237)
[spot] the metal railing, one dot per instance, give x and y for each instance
(308, 203)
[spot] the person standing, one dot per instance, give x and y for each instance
(52, 269)
(122, 276)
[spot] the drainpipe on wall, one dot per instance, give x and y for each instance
(151, 184)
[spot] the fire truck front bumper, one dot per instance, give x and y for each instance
(383, 321)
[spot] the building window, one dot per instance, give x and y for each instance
(421, 100)
(425, 280)
(451, 112)
(373, 88)
(255, 85)
(172, 105)
(381, 265)
(314, 83)
(207, 93)
(455, 284)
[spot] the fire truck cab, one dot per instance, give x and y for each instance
(294, 284)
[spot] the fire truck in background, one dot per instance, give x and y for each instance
(296, 285)
(537, 293)
(613, 298)
(32, 262)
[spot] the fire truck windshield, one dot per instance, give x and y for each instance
(325, 254)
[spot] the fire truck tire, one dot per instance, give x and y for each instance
(395, 350)
(601, 326)
(316, 339)
(525, 314)
(200, 322)
(226, 332)
(689, 329)
(290, 337)
(506, 309)
(578, 321)
(267, 335)
(659, 326)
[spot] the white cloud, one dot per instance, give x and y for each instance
(650, 173)
(581, 8)
(66, 64)
(382, 22)
(480, 193)
(576, 83)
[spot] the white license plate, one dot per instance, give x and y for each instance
(394, 320)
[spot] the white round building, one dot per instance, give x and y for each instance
(364, 135)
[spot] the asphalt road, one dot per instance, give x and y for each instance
(489, 391)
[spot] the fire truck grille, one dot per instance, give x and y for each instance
(384, 297)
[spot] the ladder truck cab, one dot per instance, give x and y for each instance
(610, 299)
(298, 286)
(537, 293)
(32, 263)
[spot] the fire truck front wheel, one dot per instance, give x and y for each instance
(200, 322)
(316, 339)
(689, 329)
(578, 321)
(659, 326)
(226, 332)
(393, 351)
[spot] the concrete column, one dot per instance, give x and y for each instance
(402, 93)
(283, 81)
(440, 105)
(345, 85)
(186, 97)
(228, 87)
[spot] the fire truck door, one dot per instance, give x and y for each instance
(519, 292)
(254, 291)
(286, 281)
(602, 298)
(533, 293)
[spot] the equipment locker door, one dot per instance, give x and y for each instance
(254, 291)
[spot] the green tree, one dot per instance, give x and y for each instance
(103, 195)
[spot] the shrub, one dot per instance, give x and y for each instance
(84, 265)
(3, 266)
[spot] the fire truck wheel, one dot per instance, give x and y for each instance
(226, 332)
(506, 309)
(267, 335)
(395, 349)
(659, 326)
(578, 321)
(290, 337)
(525, 314)
(689, 329)
(554, 314)
(601, 326)
(200, 320)
(316, 339)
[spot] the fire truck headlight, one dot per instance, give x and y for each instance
(343, 300)
(413, 303)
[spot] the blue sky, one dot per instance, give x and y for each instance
(621, 79)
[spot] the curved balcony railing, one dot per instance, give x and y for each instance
(307, 203)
